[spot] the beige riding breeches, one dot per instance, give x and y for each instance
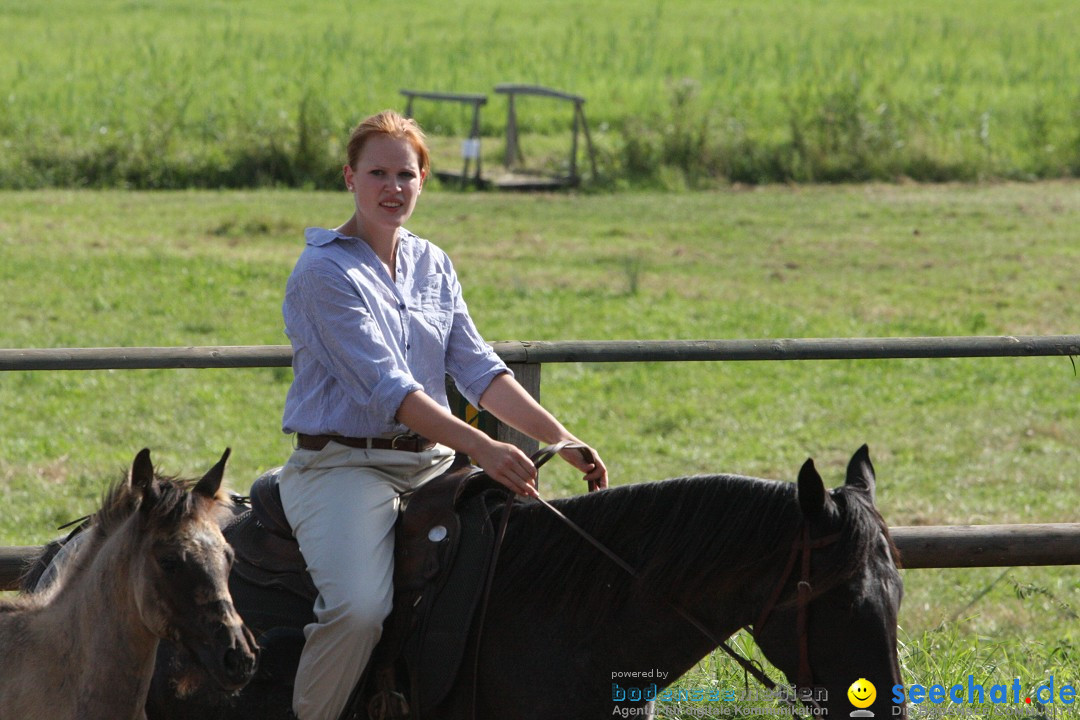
(342, 504)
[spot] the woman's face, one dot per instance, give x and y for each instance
(385, 182)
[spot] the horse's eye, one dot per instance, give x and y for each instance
(171, 564)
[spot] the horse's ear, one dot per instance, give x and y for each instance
(860, 472)
(811, 490)
(141, 476)
(211, 482)
(143, 480)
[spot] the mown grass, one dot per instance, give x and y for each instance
(953, 441)
(206, 93)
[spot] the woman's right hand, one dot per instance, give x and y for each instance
(508, 465)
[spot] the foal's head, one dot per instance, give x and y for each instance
(179, 565)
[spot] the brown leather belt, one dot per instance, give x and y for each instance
(405, 442)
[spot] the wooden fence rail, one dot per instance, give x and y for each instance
(938, 546)
(238, 356)
(943, 546)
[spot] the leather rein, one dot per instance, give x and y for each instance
(802, 546)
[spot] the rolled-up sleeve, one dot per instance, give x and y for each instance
(470, 361)
(338, 330)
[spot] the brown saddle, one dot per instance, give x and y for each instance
(445, 539)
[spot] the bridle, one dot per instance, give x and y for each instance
(803, 543)
(802, 546)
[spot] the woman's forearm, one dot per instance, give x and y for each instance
(510, 403)
(502, 461)
(426, 417)
(514, 406)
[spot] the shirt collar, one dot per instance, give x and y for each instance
(321, 236)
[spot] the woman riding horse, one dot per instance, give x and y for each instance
(376, 319)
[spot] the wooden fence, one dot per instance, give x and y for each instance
(921, 547)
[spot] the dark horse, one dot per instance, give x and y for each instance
(567, 629)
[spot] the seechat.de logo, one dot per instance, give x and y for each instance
(1050, 692)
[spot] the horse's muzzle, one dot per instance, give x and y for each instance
(232, 658)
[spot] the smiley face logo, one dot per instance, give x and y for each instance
(862, 693)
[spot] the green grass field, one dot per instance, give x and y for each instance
(953, 441)
(131, 93)
(134, 94)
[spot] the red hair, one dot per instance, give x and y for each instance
(395, 125)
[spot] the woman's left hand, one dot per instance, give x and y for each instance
(593, 467)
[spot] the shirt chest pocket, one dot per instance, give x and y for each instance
(437, 303)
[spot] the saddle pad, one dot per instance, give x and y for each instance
(266, 503)
(436, 651)
(266, 559)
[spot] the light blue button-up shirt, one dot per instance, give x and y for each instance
(362, 341)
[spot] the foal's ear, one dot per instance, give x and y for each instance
(142, 480)
(211, 482)
(860, 472)
(141, 476)
(811, 490)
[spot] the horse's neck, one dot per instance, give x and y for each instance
(671, 631)
(674, 615)
(107, 640)
(634, 641)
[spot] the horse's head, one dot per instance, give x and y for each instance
(838, 630)
(181, 571)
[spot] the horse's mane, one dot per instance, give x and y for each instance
(173, 500)
(677, 533)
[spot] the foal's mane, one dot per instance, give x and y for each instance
(172, 501)
(679, 533)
